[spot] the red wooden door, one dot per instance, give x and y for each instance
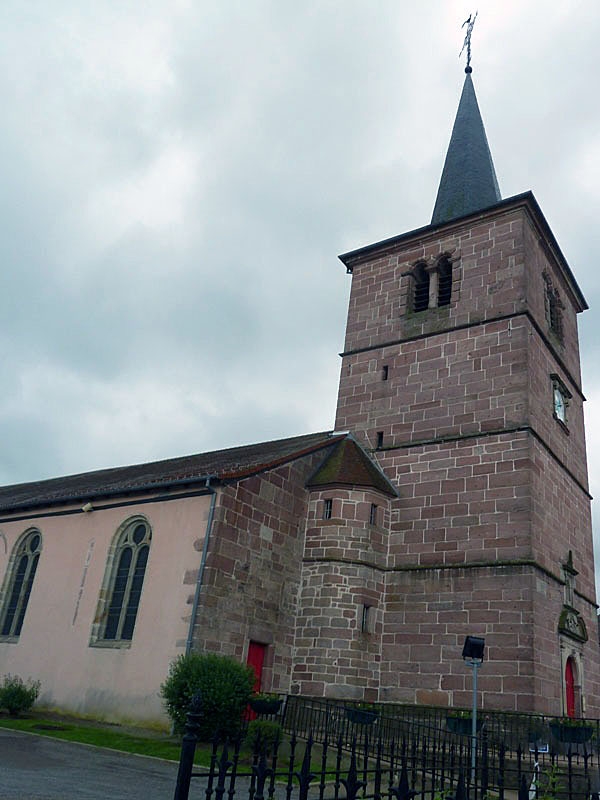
(570, 687)
(256, 659)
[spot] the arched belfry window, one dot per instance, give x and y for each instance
(431, 284)
(18, 582)
(444, 269)
(123, 581)
(421, 288)
(554, 307)
(555, 313)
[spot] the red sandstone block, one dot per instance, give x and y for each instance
(453, 682)
(517, 684)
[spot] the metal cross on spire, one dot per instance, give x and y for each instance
(467, 43)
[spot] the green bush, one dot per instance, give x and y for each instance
(17, 696)
(263, 735)
(225, 687)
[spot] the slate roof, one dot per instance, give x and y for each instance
(220, 465)
(468, 181)
(347, 464)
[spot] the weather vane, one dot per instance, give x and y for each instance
(467, 43)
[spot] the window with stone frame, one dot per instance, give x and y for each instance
(560, 400)
(367, 622)
(122, 585)
(373, 511)
(18, 583)
(553, 307)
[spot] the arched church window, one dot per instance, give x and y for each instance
(421, 288)
(18, 582)
(444, 281)
(123, 581)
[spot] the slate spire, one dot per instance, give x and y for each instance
(468, 181)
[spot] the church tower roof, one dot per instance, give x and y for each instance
(468, 181)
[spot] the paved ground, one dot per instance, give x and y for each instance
(39, 768)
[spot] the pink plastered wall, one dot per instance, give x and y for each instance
(54, 647)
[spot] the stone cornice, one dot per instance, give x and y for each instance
(473, 565)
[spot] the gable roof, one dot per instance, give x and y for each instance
(468, 181)
(347, 464)
(219, 466)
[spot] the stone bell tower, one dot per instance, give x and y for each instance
(461, 376)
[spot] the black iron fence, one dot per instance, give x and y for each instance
(513, 731)
(327, 752)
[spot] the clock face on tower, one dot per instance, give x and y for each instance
(560, 407)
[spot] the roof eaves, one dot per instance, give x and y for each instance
(106, 493)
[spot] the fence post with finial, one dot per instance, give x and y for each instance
(188, 748)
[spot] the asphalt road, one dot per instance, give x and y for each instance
(39, 768)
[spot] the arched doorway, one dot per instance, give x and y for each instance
(570, 670)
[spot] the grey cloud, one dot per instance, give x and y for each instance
(148, 312)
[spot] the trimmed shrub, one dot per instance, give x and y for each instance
(225, 687)
(17, 696)
(263, 735)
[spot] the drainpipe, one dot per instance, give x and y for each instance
(211, 513)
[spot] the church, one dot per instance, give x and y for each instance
(450, 499)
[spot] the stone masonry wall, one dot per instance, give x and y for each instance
(488, 281)
(457, 405)
(465, 501)
(539, 260)
(339, 623)
(333, 656)
(457, 383)
(429, 613)
(561, 513)
(567, 442)
(253, 572)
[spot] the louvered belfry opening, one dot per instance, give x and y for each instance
(444, 281)
(421, 288)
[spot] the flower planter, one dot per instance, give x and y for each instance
(265, 705)
(571, 734)
(462, 725)
(361, 716)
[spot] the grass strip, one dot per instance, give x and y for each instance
(167, 748)
(156, 745)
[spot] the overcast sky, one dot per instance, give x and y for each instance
(178, 179)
